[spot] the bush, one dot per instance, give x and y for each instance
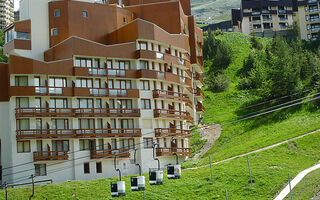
(218, 83)
(245, 83)
(256, 43)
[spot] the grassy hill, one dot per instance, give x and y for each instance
(269, 168)
(214, 10)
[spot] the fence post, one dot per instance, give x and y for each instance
(226, 194)
(144, 195)
(211, 170)
(6, 188)
(289, 180)
(251, 181)
(32, 177)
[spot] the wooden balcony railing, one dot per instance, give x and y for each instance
(197, 77)
(109, 153)
(200, 107)
(76, 133)
(172, 114)
(107, 112)
(198, 92)
(50, 155)
(168, 132)
(45, 112)
(165, 94)
(45, 134)
(102, 133)
(77, 112)
(168, 151)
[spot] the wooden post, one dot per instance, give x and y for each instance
(211, 170)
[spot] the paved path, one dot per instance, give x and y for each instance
(258, 150)
(295, 181)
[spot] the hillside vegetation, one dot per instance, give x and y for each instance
(214, 10)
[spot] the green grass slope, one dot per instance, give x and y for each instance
(269, 169)
(307, 188)
(249, 135)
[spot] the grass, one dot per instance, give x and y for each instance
(307, 188)
(269, 169)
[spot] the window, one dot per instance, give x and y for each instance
(143, 45)
(23, 124)
(57, 82)
(120, 64)
(99, 167)
(21, 81)
(58, 103)
(40, 169)
(124, 103)
(57, 13)
(86, 124)
(144, 65)
(148, 143)
(126, 144)
(86, 168)
(60, 145)
(84, 82)
(54, 32)
(85, 103)
(85, 14)
(83, 62)
(23, 146)
(145, 85)
(23, 36)
(126, 123)
(60, 124)
(22, 102)
(146, 104)
(125, 20)
(84, 145)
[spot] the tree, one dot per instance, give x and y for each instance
(3, 58)
(256, 43)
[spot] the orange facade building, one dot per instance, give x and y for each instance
(90, 80)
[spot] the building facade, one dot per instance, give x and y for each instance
(90, 80)
(6, 13)
(264, 18)
(308, 19)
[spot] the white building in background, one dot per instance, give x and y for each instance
(87, 81)
(6, 13)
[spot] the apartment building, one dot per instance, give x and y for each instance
(266, 17)
(6, 13)
(87, 81)
(308, 19)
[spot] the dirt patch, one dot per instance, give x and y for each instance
(210, 133)
(316, 196)
(293, 145)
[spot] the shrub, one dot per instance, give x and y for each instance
(218, 83)
(245, 83)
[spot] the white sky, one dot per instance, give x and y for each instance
(16, 5)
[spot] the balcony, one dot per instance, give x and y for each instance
(17, 44)
(89, 71)
(170, 132)
(40, 91)
(109, 153)
(44, 134)
(50, 155)
(124, 93)
(103, 133)
(198, 93)
(165, 94)
(169, 151)
(97, 92)
(166, 57)
(44, 112)
(107, 112)
(122, 73)
(197, 77)
(163, 113)
(200, 108)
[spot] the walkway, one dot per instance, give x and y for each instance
(295, 181)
